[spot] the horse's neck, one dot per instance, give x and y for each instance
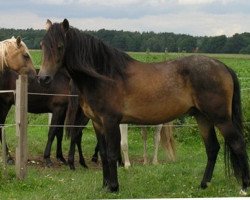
(8, 79)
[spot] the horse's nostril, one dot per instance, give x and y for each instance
(44, 80)
(47, 79)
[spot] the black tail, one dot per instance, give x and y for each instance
(237, 119)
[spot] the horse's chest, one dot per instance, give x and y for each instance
(88, 111)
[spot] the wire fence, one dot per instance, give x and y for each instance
(90, 126)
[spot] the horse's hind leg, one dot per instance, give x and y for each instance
(234, 140)
(95, 155)
(157, 138)
(144, 137)
(124, 144)
(212, 147)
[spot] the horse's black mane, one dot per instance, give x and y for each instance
(89, 55)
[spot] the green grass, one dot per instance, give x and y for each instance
(166, 180)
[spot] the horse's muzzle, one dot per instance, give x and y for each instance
(45, 81)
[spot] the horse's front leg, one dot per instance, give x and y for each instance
(113, 141)
(108, 136)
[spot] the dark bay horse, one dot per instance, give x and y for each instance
(116, 89)
(57, 105)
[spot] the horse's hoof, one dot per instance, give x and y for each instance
(243, 192)
(94, 159)
(72, 167)
(62, 160)
(114, 188)
(204, 185)
(127, 165)
(48, 162)
(10, 161)
(83, 164)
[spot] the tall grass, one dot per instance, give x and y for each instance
(166, 180)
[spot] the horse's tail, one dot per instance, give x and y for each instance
(71, 113)
(230, 156)
(167, 140)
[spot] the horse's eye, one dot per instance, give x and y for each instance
(26, 56)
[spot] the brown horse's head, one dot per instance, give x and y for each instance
(53, 48)
(15, 55)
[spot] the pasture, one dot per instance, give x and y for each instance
(166, 180)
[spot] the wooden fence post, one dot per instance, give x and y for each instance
(21, 126)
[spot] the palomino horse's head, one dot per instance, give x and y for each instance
(53, 48)
(15, 55)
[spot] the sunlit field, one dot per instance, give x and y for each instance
(166, 180)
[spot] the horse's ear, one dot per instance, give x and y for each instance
(48, 24)
(65, 25)
(18, 41)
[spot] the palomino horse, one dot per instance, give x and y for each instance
(117, 89)
(40, 103)
(163, 133)
(15, 55)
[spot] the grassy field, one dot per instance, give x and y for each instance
(166, 180)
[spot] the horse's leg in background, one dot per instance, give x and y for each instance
(167, 140)
(51, 136)
(53, 131)
(59, 136)
(157, 137)
(212, 147)
(95, 155)
(78, 142)
(3, 114)
(144, 137)
(124, 144)
(75, 134)
(83, 121)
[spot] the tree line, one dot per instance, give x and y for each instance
(149, 41)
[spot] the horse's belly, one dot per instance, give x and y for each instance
(155, 113)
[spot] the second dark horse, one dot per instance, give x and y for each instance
(55, 104)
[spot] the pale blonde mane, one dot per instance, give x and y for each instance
(4, 48)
